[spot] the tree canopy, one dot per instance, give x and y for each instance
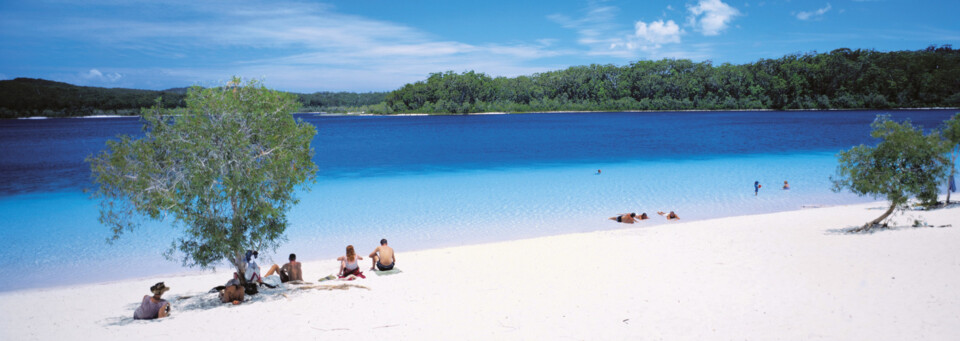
(224, 170)
(904, 164)
(841, 79)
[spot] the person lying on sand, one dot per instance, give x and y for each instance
(382, 257)
(669, 216)
(289, 272)
(232, 293)
(153, 307)
(348, 263)
(629, 218)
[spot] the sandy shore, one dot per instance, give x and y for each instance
(784, 276)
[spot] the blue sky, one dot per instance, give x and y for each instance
(379, 45)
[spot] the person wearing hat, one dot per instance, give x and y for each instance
(153, 307)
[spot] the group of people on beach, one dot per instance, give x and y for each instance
(382, 259)
(630, 218)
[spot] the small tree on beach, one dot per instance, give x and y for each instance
(904, 164)
(224, 169)
(951, 133)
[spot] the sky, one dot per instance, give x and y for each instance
(380, 45)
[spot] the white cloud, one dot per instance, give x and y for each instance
(815, 14)
(711, 16)
(596, 28)
(658, 32)
(96, 75)
(290, 44)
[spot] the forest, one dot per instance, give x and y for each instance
(24, 97)
(840, 79)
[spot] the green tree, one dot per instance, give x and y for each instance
(951, 133)
(223, 169)
(905, 163)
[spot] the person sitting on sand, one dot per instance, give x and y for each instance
(786, 185)
(382, 257)
(348, 263)
(629, 218)
(232, 293)
(153, 307)
(669, 216)
(252, 272)
(289, 272)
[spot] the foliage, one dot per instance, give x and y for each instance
(904, 163)
(841, 79)
(339, 101)
(223, 169)
(37, 97)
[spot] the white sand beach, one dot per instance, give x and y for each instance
(782, 276)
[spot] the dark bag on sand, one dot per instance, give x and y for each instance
(250, 289)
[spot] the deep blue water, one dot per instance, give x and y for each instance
(431, 181)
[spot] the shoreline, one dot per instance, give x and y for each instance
(788, 275)
(602, 225)
(353, 114)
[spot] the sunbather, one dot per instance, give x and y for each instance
(348, 263)
(232, 293)
(382, 257)
(629, 218)
(669, 216)
(153, 307)
(288, 272)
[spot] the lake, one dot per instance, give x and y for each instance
(435, 181)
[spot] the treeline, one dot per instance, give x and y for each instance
(37, 97)
(339, 101)
(841, 79)
(24, 97)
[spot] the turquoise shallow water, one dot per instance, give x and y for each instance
(496, 188)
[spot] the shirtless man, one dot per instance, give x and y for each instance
(629, 218)
(288, 272)
(383, 257)
(232, 292)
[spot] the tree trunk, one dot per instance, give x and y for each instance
(876, 222)
(238, 262)
(238, 256)
(953, 161)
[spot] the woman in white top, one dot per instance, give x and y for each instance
(348, 263)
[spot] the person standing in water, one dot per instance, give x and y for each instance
(786, 185)
(756, 188)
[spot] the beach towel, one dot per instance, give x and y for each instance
(272, 281)
(328, 278)
(353, 275)
(953, 185)
(387, 272)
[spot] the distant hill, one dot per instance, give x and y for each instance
(39, 97)
(24, 97)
